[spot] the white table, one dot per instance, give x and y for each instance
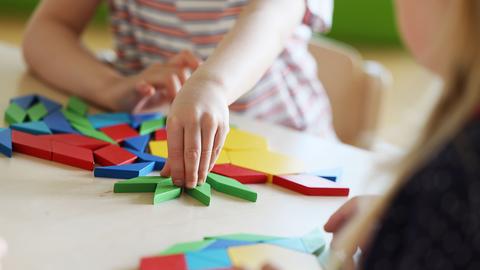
(60, 217)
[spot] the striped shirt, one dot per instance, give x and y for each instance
(289, 93)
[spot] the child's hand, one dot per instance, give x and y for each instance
(197, 125)
(157, 85)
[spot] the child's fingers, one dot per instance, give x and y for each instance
(165, 172)
(209, 128)
(176, 151)
(219, 140)
(341, 216)
(172, 85)
(146, 91)
(192, 61)
(192, 153)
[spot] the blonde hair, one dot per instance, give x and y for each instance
(460, 97)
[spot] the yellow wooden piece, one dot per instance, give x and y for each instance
(256, 256)
(160, 148)
(242, 140)
(266, 162)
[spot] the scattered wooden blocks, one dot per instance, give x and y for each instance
(161, 134)
(310, 185)
(37, 127)
(6, 141)
(171, 262)
(102, 120)
(77, 140)
(31, 145)
(150, 126)
(77, 106)
(119, 132)
(208, 259)
(138, 143)
(37, 112)
(242, 175)
(159, 161)
(231, 187)
(14, 114)
(111, 155)
(72, 155)
(24, 101)
(126, 171)
(201, 193)
(57, 123)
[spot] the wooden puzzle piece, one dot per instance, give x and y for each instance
(290, 243)
(208, 259)
(140, 184)
(138, 143)
(72, 155)
(187, 247)
(57, 123)
(231, 187)
(242, 175)
(159, 161)
(119, 132)
(77, 140)
(14, 114)
(49, 104)
(241, 140)
(93, 133)
(201, 193)
(137, 119)
(6, 141)
(161, 135)
(166, 191)
(223, 244)
(170, 262)
(150, 126)
(79, 120)
(254, 238)
(330, 174)
(310, 185)
(256, 256)
(24, 101)
(77, 106)
(126, 171)
(160, 148)
(102, 120)
(111, 155)
(314, 242)
(36, 128)
(37, 112)
(31, 145)
(267, 162)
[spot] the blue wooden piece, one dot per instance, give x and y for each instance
(57, 123)
(225, 244)
(49, 104)
(108, 119)
(6, 141)
(289, 243)
(36, 128)
(137, 143)
(127, 171)
(159, 161)
(329, 174)
(138, 119)
(208, 259)
(24, 101)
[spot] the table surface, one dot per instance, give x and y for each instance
(60, 217)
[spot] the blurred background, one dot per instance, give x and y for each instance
(368, 25)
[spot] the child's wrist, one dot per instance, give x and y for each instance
(212, 82)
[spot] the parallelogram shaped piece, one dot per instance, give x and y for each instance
(6, 141)
(102, 120)
(242, 175)
(57, 123)
(111, 155)
(72, 155)
(238, 140)
(200, 193)
(267, 162)
(231, 187)
(159, 161)
(126, 171)
(208, 259)
(170, 262)
(36, 128)
(77, 105)
(166, 191)
(119, 132)
(138, 143)
(310, 185)
(140, 184)
(150, 126)
(31, 145)
(77, 140)
(14, 114)
(37, 112)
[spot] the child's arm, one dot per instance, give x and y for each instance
(198, 120)
(53, 50)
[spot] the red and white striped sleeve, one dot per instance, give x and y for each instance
(319, 15)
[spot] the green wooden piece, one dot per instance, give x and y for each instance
(187, 247)
(150, 126)
(37, 112)
(201, 193)
(77, 106)
(231, 187)
(141, 184)
(166, 191)
(244, 237)
(314, 242)
(14, 114)
(74, 118)
(93, 133)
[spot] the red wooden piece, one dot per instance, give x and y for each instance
(242, 175)
(111, 155)
(171, 262)
(310, 185)
(72, 155)
(77, 140)
(161, 134)
(31, 145)
(120, 132)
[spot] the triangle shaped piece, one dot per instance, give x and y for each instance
(127, 171)
(77, 105)
(137, 119)
(57, 123)
(310, 185)
(150, 126)
(138, 143)
(36, 128)
(102, 120)
(225, 243)
(201, 193)
(290, 243)
(166, 191)
(231, 187)
(242, 175)
(49, 104)
(24, 101)
(6, 141)
(159, 161)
